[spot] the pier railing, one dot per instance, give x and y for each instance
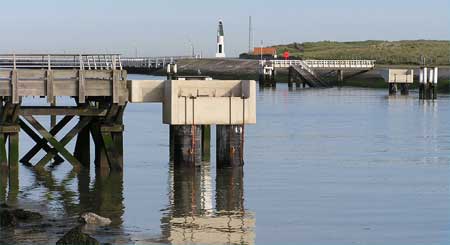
(61, 61)
(332, 64)
(151, 62)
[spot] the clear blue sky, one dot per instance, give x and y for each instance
(164, 27)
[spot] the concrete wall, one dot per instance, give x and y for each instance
(199, 101)
(398, 75)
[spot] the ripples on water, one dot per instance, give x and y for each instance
(326, 166)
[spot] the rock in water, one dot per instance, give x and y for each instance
(94, 219)
(24, 215)
(7, 219)
(76, 236)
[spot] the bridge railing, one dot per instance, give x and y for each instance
(322, 63)
(151, 62)
(61, 61)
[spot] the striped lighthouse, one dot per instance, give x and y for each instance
(220, 41)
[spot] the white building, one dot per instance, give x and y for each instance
(220, 53)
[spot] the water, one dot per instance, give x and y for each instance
(322, 166)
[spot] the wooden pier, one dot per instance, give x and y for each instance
(100, 94)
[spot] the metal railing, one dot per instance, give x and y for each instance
(151, 62)
(61, 61)
(369, 64)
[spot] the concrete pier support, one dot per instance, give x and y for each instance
(230, 146)
(187, 147)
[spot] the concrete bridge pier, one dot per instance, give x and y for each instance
(187, 145)
(230, 146)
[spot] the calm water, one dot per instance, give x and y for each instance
(325, 166)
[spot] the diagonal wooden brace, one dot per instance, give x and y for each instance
(65, 140)
(55, 143)
(41, 143)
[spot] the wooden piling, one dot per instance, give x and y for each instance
(392, 89)
(230, 146)
(206, 143)
(82, 147)
(13, 154)
(3, 185)
(171, 141)
(404, 89)
(290, 77)
(187, 145)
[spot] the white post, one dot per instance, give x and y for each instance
(421, 75)
(425, 75)
(436, 75)
(430, 78)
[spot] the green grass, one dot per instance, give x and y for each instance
(384, 52)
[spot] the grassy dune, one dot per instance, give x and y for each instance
(384, 52)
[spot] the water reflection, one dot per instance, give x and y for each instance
(191, 218)
(104, 198)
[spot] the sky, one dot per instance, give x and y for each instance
(173, 27)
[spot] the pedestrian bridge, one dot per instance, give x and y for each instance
(325, 64)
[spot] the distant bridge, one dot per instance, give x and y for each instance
(306, 71)
(325, 64)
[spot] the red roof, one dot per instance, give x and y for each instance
(264, 51)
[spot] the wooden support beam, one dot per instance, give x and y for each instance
(3, 156)
(41, 143)
(14, 87)
(112, 152)
(62, 110)
(49, 87)
(64, 141)
(101, 160)
(55, 143)
(13, 152)
(115, 86)
(9, 128)
(81, 87)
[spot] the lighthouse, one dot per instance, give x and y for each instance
(220, 41)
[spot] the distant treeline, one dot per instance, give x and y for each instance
(407, 52)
